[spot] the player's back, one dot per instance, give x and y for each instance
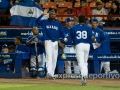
(81, 33)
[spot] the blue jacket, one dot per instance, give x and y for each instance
(99, 34)
(52, 29)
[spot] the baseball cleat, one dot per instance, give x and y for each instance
(53, 78)
(48, 76)
(83, 81)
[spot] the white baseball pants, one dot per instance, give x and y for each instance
(51, 56)
(68, 63)
(106, 66)
(82, 53)
(41, 60)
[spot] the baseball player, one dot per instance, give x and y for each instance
(20, 47)
(99, 34)
(68, 47)
(35, 43)
(7, 62)
(52, 29)
(11, 48)
(81, 34)
(106, 50)
(5, 48)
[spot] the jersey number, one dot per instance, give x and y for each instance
(81, 34)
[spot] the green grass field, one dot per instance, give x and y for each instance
(54, 87)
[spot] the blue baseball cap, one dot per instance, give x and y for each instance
(100, 26)
(94, 20)
(4, 46)
(68, 19)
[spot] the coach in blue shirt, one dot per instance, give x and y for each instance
(106, 50)
(99, 34)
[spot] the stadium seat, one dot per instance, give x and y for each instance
(64, 7)
(92, 5)
(61, 19)
(77, 4)
(49, 5)
(65, 4)
(108, 5)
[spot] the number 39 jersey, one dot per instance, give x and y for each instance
(81, 33)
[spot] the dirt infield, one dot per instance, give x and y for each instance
(90, 82)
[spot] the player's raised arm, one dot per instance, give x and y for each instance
(38, 20)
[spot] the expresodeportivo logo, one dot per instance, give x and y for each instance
(111, 75)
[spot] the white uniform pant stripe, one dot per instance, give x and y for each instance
(82, 53)
(51, 55)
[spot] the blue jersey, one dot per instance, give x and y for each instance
(81, 33)
(4, 4)
(67, 35)
(106, 44)
(99, 35)
(21, 48)
(39, 46)
(52, 29)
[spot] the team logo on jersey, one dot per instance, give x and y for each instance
(30, 11)
(96, 35)
(51, 26)
(66, 35)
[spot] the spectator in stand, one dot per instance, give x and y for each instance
(4, 9)
(114, 21)
(20, 47)
(99, 10)
(84, 9)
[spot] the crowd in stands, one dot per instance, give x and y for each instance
(75, 7)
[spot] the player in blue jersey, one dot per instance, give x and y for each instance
(68, 47)
(5, 48)
(106, 50)
(36, 45)
(20, 47)
(99, 34)
(81, 34)
(52, 29)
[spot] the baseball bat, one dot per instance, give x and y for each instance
(36, 56)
